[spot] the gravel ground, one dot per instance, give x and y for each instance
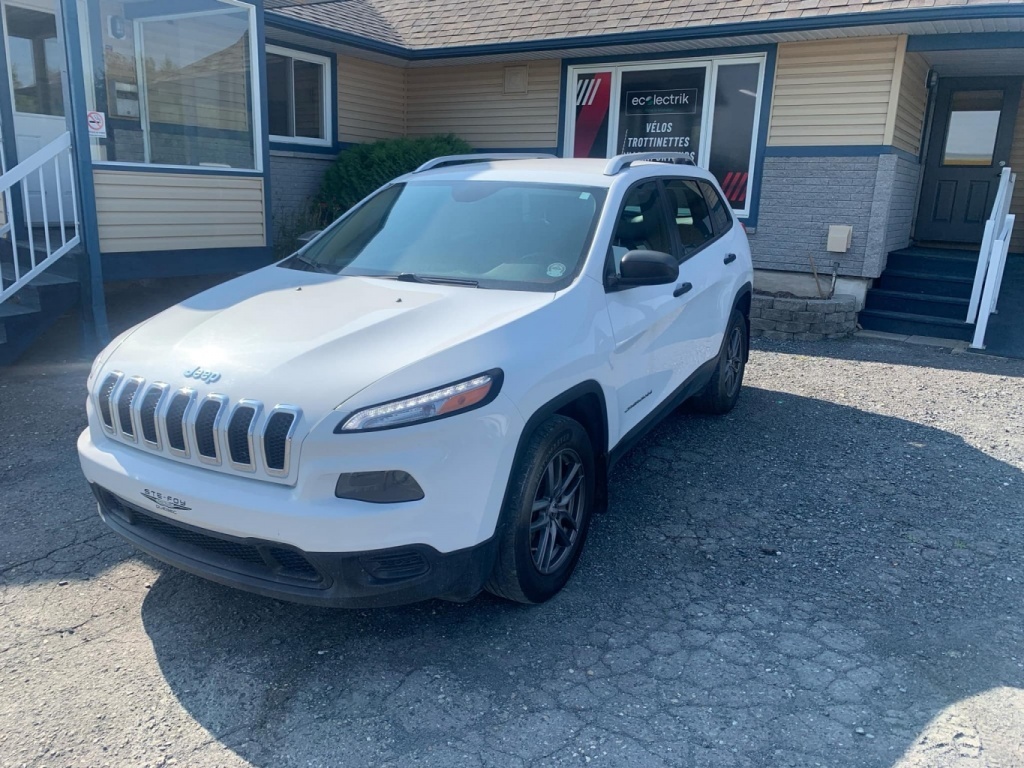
(829, 576)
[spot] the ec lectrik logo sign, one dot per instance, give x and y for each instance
(681, 101)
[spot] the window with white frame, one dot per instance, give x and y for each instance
(178, 83)
(299, 97)
(707, 109)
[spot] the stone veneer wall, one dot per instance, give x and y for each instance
(802, 319)
(802, 196)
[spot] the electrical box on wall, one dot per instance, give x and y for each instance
(126, 99)
(840, 236)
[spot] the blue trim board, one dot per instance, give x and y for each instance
(965, 42)
(716, 31)
(142, 265)
(261, 65)
(840, 150)
(185, 170)
(96, 332)
(305, 149)
(7, 127)
(687, 53)
(767, 89)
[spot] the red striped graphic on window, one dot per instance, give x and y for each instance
(593, 98)
(735, 186)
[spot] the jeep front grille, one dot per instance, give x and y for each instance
(124, 406)
(209, 429)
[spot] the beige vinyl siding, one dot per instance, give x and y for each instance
(912, 104)
(1017, 164)
(832, 92)
(471, 102)
(371, 100)
(141, 211)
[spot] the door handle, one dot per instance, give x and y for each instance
(730, 258)
(681, 289)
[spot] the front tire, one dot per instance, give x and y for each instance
(547, 513)
(720, 394)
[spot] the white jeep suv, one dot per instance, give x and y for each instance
(425, 400)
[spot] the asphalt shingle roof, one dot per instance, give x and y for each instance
(420, 24)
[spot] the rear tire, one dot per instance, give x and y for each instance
(723, 390)
(547, 512)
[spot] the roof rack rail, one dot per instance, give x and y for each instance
(619, 162)
(482, 157)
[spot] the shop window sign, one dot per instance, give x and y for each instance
(662, 109)
(707, 110)
(593, 99)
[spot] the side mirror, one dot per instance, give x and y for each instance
(646, 268)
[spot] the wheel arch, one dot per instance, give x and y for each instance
(741, 303)
(585, 403)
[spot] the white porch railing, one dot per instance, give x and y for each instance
(995, 245)
(43, 171)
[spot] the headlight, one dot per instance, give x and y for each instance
(449, 400)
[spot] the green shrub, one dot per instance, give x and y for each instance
(362, 168)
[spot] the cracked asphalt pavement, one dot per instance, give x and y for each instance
(829, 576)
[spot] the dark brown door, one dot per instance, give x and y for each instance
(972, 131)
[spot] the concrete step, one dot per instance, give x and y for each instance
(951, 307)
(915, 325)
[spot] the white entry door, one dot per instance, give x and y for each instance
(35, 60)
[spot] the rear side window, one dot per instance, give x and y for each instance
(692, 214)
(720, 216)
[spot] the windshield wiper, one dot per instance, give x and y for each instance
(311, 266)
(409, 277)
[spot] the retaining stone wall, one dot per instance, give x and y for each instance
(802, 319)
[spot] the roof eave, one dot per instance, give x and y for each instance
(707, 32)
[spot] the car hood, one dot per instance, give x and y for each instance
(284, 336)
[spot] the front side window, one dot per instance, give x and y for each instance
(298, 91)
(691, 213)
(178, 86)
(489, 234)
(641, 225)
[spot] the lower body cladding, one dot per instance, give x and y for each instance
(301, 543)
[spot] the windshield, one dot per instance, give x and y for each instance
(491, 234)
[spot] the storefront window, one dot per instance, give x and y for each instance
(593, 100)
(668, 106)
(178, 86)
(732, 134)
(662, 109)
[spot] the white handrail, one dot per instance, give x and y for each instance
(1000, 209)
(25, 262)
(993, 280)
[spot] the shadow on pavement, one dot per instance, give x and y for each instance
(881, 351)
(764, 585)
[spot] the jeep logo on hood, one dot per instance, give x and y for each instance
(202, 375)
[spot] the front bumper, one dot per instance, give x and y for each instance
(394, 576)
(169, 507)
